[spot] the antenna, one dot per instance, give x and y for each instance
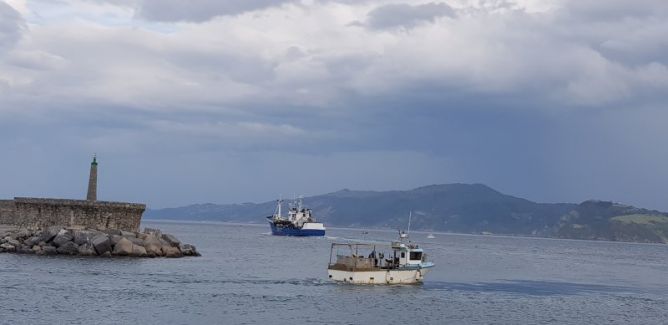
(279, 205)
(410, 215)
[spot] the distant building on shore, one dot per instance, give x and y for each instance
(90, 213)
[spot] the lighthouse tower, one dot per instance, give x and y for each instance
(92, 181)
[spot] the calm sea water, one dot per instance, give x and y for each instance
(249, 277)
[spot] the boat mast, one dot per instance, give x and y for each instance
(410, 215)
(280, 201)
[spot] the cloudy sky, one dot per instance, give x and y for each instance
(190, 101)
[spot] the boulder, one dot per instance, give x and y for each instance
(87, 249)
(115, 239)
(48, 250)
(136, 241)
(13, 242)
(36, 249)
(24, 249)
(32, 241)
(142, 236)
(171, 251)
(128, 234)
(62, 237)
(101, 243)
(84, 236)
(7, 247)
(153, 246)
(152, 231)
(171, 240)
(22, 234)
(68, 248)
(48, 234)
(123, 247)
(139, 251)
(189, 250)
(153, 249)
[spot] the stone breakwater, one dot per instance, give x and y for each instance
(89, 242)
(35, 213)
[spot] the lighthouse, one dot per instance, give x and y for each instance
(92, 181)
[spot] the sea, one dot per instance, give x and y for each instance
(247, 276)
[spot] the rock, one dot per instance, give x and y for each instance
(153, 248)
(136, 241)
(128, 234)
(189, 250)
(115, 239)
(87, 249)
(22, 234)
(171, 251)
(153, 231)
(48, 234)
(68, 248)
(84, 236)
(138, 251)
(24, 250)
(13, 242)
(62, 237)
(123, 247)
(48, 250)
(32, 241)
(7, 247)
(171, 240)
(89, 242)
(101, 243)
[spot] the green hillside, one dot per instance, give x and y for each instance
(463, 208)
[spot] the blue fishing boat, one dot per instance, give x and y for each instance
(299, 222)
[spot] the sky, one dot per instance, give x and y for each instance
(194, 101)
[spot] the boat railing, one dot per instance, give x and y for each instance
(359, 260)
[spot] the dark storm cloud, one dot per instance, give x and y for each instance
(406, 15)
(199, 10)
(542, 103)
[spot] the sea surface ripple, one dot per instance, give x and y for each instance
(246, 276)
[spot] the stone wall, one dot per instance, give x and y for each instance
(41, 213)
(6, 211)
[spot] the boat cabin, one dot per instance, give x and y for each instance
(371, 257)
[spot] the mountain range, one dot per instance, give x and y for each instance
(460, 208)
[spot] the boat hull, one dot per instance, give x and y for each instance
(405, 276)
(292, 231)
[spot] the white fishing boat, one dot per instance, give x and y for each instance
(430, 236)
(402, 262)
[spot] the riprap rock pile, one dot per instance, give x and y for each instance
(89, 242)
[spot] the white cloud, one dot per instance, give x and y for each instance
(11, 27)
(312, 53)
(313, 75)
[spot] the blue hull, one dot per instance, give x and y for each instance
(290, 231)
